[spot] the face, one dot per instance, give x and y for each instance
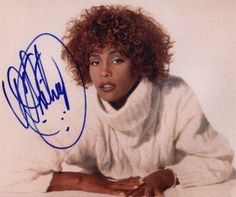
(113, 76)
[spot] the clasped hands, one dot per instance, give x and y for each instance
(152, 185)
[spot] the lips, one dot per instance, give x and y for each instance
(107, 87)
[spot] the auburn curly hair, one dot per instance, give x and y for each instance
(136, 35)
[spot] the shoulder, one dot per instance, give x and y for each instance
(171, 82)
(173, 86)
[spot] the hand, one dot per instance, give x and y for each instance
(91, 183)
(154, 184)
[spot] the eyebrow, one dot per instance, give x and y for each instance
(114, 51)
(94, 55)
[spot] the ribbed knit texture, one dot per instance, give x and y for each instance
(160, 126)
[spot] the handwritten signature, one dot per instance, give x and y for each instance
(30, 93)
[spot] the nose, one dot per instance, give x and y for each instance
(105, 72)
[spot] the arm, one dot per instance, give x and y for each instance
(205, 154)
(90, 183)
(155, 184)
(25, 169)
(83, 155)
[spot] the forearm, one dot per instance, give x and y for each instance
(66, 181)
(198, 171)
(91, 183)
(79, 181)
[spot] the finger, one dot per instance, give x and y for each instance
(119, 194)
(102, 188)
(133, 181)
(122, 186)
(149, 192)
(137, 193)
(158, 193)
(130, 184)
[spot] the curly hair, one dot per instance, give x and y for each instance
(133, 33)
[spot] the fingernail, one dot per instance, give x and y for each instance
(122, 194)
(141, 181)
(135, 187)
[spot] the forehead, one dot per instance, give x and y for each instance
(106, 51)
(108, 42)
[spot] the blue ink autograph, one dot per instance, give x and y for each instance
(30, 93)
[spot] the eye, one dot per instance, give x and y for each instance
(94, 62)
(118, 61)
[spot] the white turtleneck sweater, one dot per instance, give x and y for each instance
(160, 126)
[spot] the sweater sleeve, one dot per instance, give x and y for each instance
(25, 169)
(82, 156)
(205, 155)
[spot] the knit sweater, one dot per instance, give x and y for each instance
(160, 126)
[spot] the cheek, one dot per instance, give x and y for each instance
(131, 76)
(127, 72)
(93, 75)
(128, 81)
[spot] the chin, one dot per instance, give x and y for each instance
(108, 99)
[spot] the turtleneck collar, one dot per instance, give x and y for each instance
(132, 114)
